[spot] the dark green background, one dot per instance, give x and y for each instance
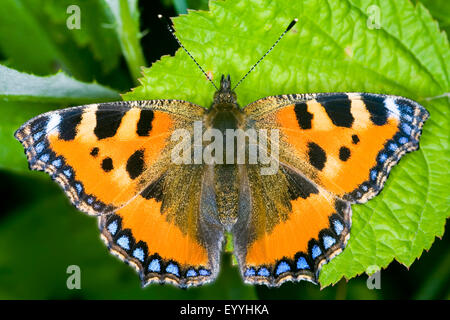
(47, 234)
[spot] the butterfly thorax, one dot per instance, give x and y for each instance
(225, 114)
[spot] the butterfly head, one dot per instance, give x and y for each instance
(225, 96)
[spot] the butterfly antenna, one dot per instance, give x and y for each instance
(172, 31)
(293, 22)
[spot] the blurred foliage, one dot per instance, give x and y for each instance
(34, 38)
(126, 23)
(41, 234)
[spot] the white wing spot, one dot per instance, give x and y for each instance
(53, 123)
(390, 104)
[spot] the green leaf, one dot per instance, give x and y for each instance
(126, 17)
(58, 88)
(17, 23)
(34, 37)
(333, 48)
(440, 9)
(23, 96)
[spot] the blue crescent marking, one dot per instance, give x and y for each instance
(282, 267)
(56, 162)
(124, 242)
(112, 227)
(328, 242)
(173, 269)
(316, 251)
(45, 157)
(250, 272)
(403, 140)
(154, 266)
(204, 272)
(39, 147)
(263, 272)
(139, 254)
(338, 227)
(191, 273)
(37, 135)
(302, 264)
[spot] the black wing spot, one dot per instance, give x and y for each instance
(94, 152)
(144, 125)
(338, 109)
(69, 123)
(376, 108)
(108, 121)
(344, 153)
(303, 116)
(107, 164)
(135, 164)
(317, 156)
(298, 185)
(355, 139)
(154, 190)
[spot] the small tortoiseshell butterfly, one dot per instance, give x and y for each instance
(168, 220)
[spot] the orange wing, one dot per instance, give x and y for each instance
(344, 142)
(288, 227)
(113, 160)
(100, 154)
(335, 149)
(165, 232)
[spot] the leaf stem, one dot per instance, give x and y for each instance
(126, 16)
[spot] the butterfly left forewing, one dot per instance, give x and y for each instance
(101, 154)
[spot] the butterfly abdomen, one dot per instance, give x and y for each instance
(226, 118)
(227, 193)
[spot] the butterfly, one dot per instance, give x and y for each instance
(168, 219)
